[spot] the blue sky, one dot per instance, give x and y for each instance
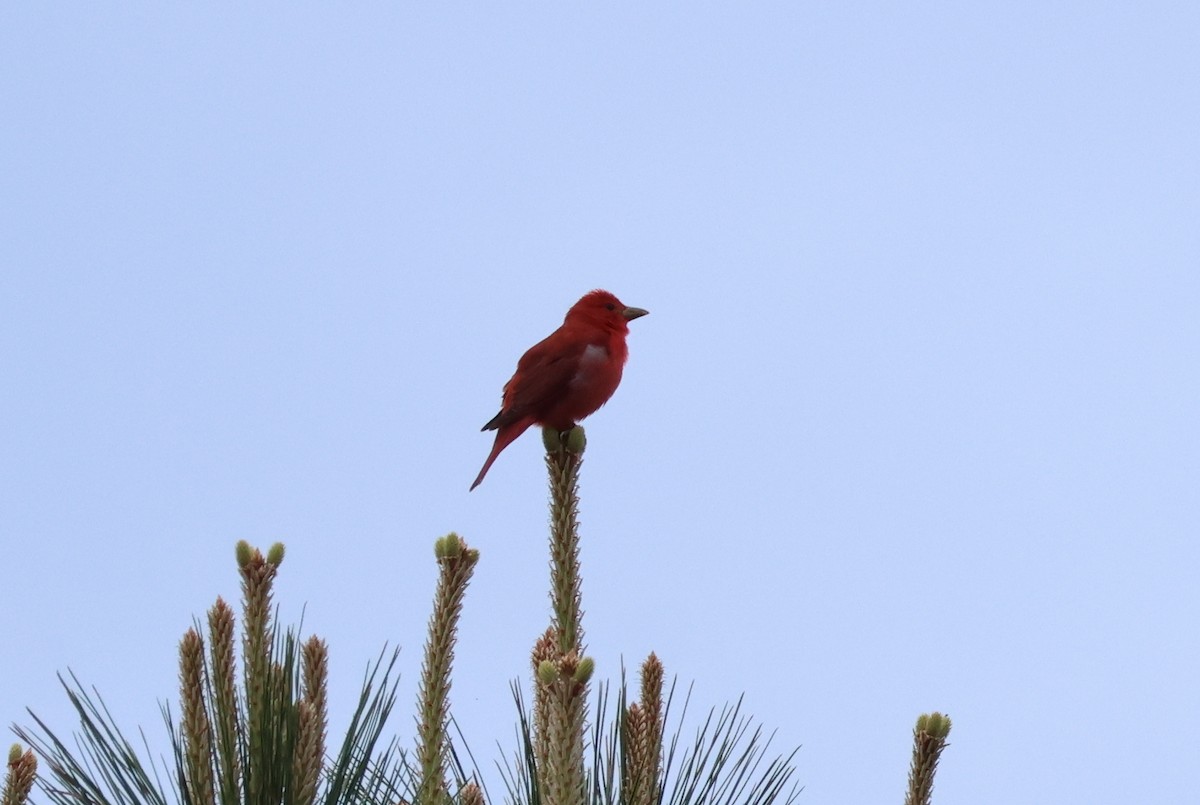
(911, 426)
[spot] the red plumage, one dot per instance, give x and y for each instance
(568, 375)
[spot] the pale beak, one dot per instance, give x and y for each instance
(631, 313)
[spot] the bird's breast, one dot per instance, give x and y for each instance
(593, 361)
(596, 376)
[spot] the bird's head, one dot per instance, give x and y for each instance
(601, 307)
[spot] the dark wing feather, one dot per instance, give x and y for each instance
(542, 378)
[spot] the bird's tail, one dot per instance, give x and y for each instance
(504, 437)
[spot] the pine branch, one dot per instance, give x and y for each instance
(929, 739)
(257, 573)
(18, 782)
(457, 563)
(212, 746)
(197, 729)
(224, 698)
(311, 719)
(643, 728)
(564, 455)
(562, 672)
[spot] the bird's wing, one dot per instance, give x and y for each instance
(543, 375)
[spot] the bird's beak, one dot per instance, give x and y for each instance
(631, 313)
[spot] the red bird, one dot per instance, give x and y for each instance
(568, 375)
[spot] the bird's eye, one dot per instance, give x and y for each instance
(611, 306)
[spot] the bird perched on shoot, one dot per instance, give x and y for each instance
(568, 375)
